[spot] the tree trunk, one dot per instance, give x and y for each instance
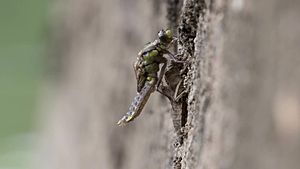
(241, 109)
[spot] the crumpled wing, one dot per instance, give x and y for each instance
(140, 82)
(139, 75)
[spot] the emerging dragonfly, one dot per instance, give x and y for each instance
(146, 69)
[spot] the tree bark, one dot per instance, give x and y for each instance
(242, 77)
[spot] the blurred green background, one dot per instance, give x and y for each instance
(22, 42)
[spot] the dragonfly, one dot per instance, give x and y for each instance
(146, 68)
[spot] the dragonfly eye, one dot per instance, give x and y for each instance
(165, 36)
(169, 33)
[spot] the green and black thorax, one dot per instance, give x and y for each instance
(150, 57)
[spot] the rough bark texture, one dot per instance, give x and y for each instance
(242, 106)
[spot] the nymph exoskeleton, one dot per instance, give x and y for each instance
(146, 70)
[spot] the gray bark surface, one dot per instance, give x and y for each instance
(242, 109)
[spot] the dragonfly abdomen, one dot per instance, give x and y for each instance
(138, 102)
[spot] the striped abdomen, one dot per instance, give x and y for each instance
(138, 102)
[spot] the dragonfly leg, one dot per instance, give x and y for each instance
(176, 97)
(161, 74)
(174, 57)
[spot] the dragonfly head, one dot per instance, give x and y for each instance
(165, 36)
